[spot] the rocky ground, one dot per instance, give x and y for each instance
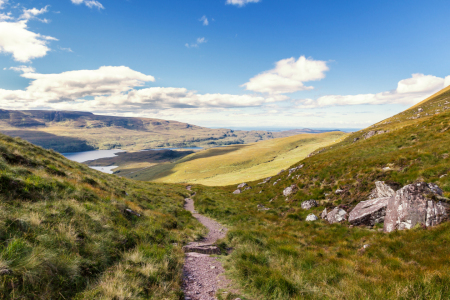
(202, 273)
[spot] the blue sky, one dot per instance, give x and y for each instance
(229, 63)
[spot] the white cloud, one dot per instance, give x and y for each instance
(65, 49)
(32, 13)
(201, 40)
(73, 85)
(168, 97)
(204, 20)
(447, 81)
(89, 3)
(24, 45)
(23, 69)
(241, 3)
(409, 91)
(288, 76)
(3, 2)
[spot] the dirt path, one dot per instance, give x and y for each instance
(202, 273)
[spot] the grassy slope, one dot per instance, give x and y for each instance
(280, 256)
(65, 234)
(66, 131)
(238, 163)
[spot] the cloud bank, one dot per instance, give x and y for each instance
(408, 92)
(112, 89)
(288, 76)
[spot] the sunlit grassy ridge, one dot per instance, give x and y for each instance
(65, 232)
(237, 163)
(278, 255)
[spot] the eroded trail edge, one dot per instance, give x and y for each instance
(202, 273)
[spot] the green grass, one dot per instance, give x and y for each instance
(237, 163)
(278, 255)
(65, 232)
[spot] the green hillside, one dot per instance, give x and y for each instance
(280, 256)
(230, 164)
(69, 232)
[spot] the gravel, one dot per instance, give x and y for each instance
(202, 273)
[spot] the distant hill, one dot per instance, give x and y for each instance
(71, 131)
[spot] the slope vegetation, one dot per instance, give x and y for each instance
(278, 255)
(68, 131)
(235, 163)
(68, 232)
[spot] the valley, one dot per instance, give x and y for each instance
(290, 232)
(71, 131)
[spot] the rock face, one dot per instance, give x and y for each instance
(338, 191)
(411, 205)
(309, 204)
(241, 185)
(238, 191)
(336, 215)
(311, 217)
(382, 190)
(369, 212)
(289, 190)
(323, 215)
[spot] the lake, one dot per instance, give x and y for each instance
(97, 154)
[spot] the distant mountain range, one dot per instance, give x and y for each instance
(72, 131)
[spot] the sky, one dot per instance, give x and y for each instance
(225, 63)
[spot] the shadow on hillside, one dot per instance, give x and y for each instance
(50, 141)
(163, 170)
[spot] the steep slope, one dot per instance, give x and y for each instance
(69, 131)
(237, 163)
(69, 232)
(278, 255)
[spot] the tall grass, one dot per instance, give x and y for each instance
(278, 255)
(65, 232)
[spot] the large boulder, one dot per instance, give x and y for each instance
(336, 215)
(309, 204)
(372, 211)
(382, 190)
(289, 190)
(238, 191)
(369, 212)
(414, 204)
(241, 185)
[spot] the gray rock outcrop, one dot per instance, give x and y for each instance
(309, 204)
(338, 191)
(324, 213)
(241, 185)
(238, 191)
(369, 212)
(311, 217)
(336, 215)
(382, 190)
(289, 190)
(413, 204)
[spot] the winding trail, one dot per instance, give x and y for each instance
(202, 273)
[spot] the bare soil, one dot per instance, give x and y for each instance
(202, 273)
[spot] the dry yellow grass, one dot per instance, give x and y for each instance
(238, 163)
